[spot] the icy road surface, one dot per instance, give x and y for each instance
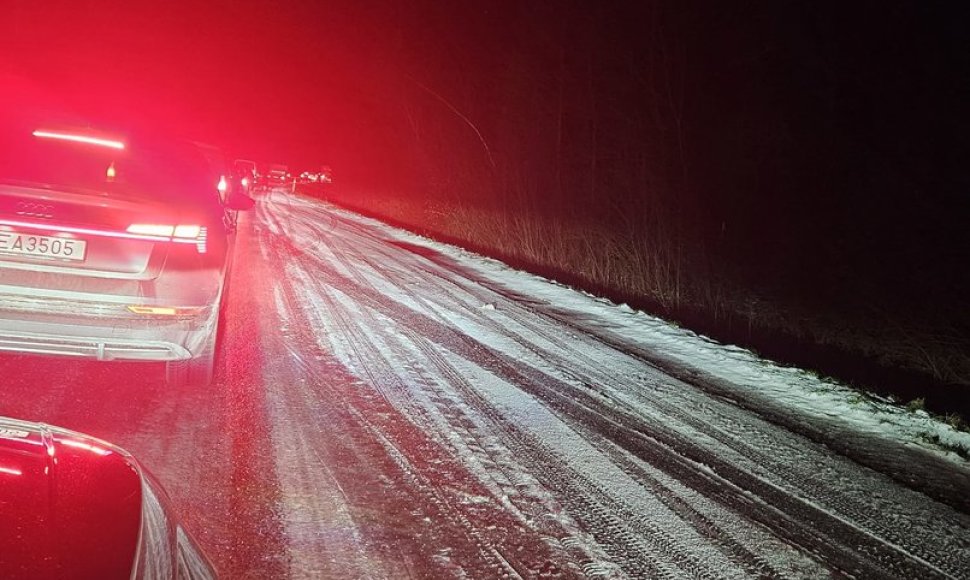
(391, 408)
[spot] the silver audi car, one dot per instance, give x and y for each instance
(112, 247)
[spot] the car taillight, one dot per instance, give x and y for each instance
(151, 230)
(185, 233)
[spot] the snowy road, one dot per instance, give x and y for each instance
(388, 409)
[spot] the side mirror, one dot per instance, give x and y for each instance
(81, 506)
(240, 201)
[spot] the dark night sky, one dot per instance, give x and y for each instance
(267, 80)
(324, 82)
(287, 78)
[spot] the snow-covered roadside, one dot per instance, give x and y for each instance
(800, 392)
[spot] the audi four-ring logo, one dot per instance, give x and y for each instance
(37, 210)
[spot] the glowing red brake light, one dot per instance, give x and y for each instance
(185, 233)
(223, 184)
(79, 138)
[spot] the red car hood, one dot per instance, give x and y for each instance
(70, 505)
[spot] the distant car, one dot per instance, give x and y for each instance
(325, 175)
(112, 248)
(276, 175)
(72, 506)
(245, 174)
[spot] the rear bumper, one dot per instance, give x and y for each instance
(101, 331)
(98, 348)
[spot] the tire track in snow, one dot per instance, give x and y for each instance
(637, 565)
(636, 543)
(355, 413)
(632, 550)
(444, 504)
(361, 283)
(857, 509)
(640, 560)
(860, 512)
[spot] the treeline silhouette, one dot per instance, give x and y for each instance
(784, 175)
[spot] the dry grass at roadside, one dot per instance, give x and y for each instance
(631, 261)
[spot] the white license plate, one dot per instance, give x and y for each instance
(45, 246)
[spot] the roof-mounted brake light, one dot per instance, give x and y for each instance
(87, 139)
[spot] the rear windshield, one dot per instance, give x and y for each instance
(144, 169)
(245, 167)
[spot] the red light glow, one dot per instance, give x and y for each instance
(79, 139)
